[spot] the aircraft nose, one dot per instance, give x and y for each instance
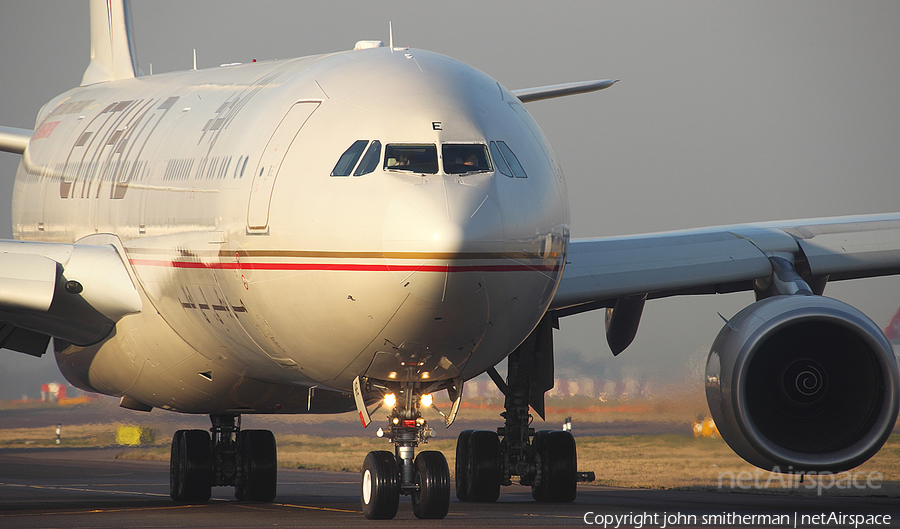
(435, 230)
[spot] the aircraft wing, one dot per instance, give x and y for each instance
(75, 292)
(527, 95)
(600, 271)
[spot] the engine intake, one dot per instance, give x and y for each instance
(803, 384)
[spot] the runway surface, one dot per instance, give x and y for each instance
(81, 488)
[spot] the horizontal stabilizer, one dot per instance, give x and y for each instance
(14, 140)
(527, 95)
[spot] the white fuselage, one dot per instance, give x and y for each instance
(262, 274)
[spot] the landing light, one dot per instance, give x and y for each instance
(389, 400)
(427, 400)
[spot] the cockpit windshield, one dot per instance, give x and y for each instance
(363, 157)
(465, 158)
(414, 158)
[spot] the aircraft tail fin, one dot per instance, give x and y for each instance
(113, 55)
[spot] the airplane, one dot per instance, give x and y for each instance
(360, 230)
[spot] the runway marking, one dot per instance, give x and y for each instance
(131, 493)
(349, 482)
(551, 516)
(94, 511)
(155, 485)
(83, 489)
(129, 509)
(311, 508)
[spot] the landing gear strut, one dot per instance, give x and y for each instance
(386, 475)
(244, 459)
(545, 460)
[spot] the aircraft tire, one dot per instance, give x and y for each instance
(462, 453)
(380, 485)
(259, 466)
(432, 500)
(483, 466)
(558, 467)
(193, 466)
(174, 466)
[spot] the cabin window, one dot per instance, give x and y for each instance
(237, 168)
(415, 158)
(506, 161)
(465, 158)
(370, 160)
(348, 160)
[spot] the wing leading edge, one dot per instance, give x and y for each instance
(723, 259)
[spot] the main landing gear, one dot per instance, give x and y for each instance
(244, 459)
(385, 475)
(545, 460)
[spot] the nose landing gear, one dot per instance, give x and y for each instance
(424, 477)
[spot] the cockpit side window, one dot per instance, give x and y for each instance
(348, 160)
(415, 158)
(511, 160)
(370, 160)
(499, 162)
(465, 158)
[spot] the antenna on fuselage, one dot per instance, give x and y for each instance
(195, 59)
(391, 35)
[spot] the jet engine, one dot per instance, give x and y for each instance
(803, 384)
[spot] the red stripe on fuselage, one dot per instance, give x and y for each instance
(353, 267)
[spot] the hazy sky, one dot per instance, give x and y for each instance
(726, 112)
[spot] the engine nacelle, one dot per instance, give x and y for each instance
(803, 384)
